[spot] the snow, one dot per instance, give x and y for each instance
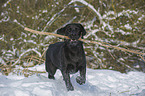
(44, 11)
(18, 23)
(127, 26)
(29, 50)
(90, 6)
(6, 3)
(77, 9)
(99, 83)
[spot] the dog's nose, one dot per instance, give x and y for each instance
(73, 34)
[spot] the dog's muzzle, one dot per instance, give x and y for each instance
(74, 39)
(73, 42)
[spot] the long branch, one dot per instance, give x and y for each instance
(86, 41)
(44, 33)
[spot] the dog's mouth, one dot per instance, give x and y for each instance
(73, 40)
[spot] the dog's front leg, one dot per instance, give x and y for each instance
(82, 78)
(66, 78)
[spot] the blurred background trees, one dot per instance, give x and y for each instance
(116, 22)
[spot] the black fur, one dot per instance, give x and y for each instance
(68, 56)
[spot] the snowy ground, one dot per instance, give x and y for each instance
(99, 83)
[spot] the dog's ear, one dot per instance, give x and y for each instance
(82, 30)
(61, 31)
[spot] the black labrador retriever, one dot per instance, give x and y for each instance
(68, 56)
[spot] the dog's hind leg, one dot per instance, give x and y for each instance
(50, 68)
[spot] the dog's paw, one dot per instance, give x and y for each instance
(70, 88)
(51, 77)
(80, 80)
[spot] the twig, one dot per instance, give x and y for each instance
(44, 52)
(24, 54)
(111, 54)
(141, 57)
(86, 41)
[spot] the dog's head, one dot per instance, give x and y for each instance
(74, 31)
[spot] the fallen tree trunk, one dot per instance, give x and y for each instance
(86, 41)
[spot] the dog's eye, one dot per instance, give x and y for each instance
(76, 28)
(69, 29)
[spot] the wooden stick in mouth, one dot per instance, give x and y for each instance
(86, 41)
